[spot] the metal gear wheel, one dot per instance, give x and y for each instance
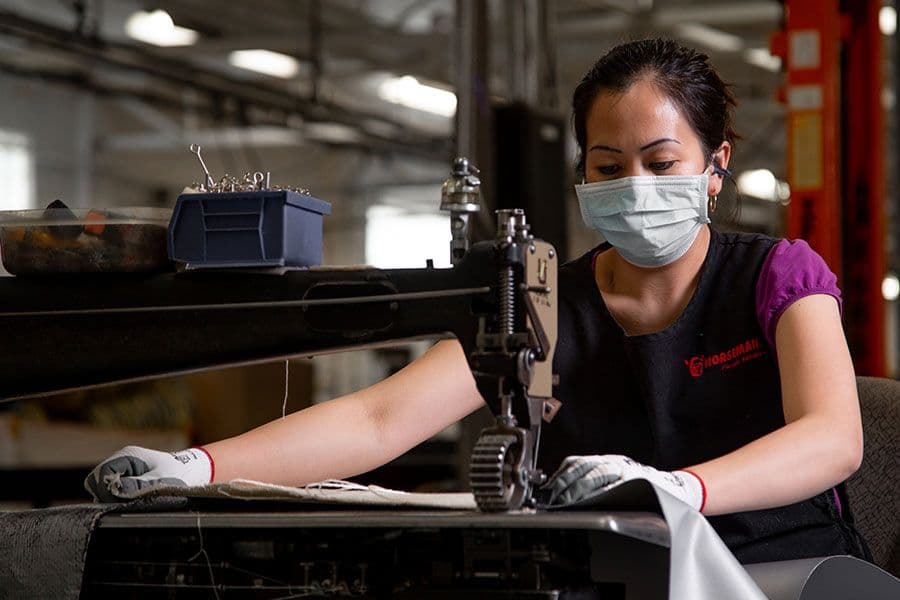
(493, 473)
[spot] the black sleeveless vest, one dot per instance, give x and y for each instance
(703, 387)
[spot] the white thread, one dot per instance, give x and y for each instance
(284, 402)
(334, 484)
(202, 550)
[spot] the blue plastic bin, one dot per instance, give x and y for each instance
(247, 229)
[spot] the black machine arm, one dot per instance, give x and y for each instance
(62, 333)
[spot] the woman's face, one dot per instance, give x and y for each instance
(642, 132)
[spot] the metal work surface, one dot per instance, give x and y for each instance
(649, 527)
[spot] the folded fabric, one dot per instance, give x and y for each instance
(332, 491)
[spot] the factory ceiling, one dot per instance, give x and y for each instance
(345, 51)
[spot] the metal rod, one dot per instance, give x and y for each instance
(274, 304)
(195, 149)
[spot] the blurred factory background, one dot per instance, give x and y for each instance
(364, 102)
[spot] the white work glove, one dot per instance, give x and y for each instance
(134, 469)
(581, 476)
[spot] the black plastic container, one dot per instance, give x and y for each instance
(247, 229)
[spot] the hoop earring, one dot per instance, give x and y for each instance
(713, 203)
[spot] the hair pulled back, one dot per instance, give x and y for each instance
(683, 74)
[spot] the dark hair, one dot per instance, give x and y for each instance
(683, 74)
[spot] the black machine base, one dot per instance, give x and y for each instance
(374, 554)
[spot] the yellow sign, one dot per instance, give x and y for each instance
(806, 152)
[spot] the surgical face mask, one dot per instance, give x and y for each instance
(651, 220)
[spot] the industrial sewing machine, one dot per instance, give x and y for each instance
(499, 300)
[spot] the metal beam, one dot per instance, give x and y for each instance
(742, 13)
(150, 116)
(217, 86)
(221, 137)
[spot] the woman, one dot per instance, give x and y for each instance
(712, 364)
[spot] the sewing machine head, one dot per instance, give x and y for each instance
(499, 300)
(512, 356)
(512, 361)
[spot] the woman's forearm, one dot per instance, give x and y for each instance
(331, 440)
(793, 463)
(355, 433)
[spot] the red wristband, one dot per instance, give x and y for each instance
(212, 465)
(702, 488)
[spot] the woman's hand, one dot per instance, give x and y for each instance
(132, 469)
(581, 476)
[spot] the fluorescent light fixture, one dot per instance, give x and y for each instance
(408, 91)
(157, 28)
(266, 62)
(890, 288)
(762, 58)
(332, 133)
(887, 20)
(761, 183)
(783, 191)
(888, 98)
(714, 39)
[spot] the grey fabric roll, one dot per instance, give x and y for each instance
(43, 552)
(875, 489)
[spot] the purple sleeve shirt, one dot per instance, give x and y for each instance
(791, 271)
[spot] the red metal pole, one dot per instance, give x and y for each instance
(864, 188)
(836, 155)
(810, 48)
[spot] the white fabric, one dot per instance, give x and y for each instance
(650, 220)
(701, 565)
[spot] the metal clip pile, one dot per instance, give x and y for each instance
(248, 182)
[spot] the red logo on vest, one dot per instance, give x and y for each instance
(695, 366)
(729, 359)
